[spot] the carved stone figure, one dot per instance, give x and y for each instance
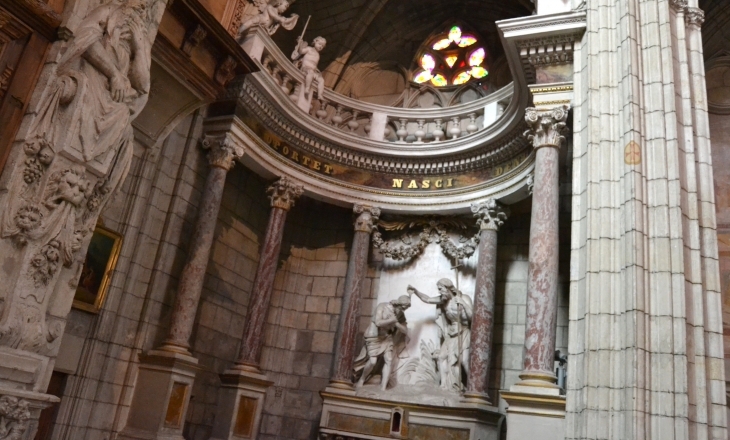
(386, 331)
(100, 85)
(454, 322)
(269, 17)
(307, 58)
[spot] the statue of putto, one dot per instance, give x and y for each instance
(306, 58)
(270, 17)
(454, 322)
(384, 337)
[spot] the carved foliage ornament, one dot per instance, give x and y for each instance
(434, 230)
(14, 417)
(283, 193)
(694, 17)
(222, 151)
(366, 219)
(546, 126)
(490, 214)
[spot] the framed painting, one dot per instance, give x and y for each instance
(98, 268)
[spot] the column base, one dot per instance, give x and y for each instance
(240, 403)
(534, 415)
(341, 387)
(161, 396)
(535, 382)
(479, 400)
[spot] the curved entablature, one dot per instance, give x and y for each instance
(348, 151)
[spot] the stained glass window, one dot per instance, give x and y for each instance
(439, 80)
(451, 55)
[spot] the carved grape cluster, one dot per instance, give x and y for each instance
(40, 155)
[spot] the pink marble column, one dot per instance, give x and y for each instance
(542, 288)
(221, 156)
(350, 315)
(490, 216)
(282, 194)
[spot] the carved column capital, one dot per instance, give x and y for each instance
(368, 216)
(694, 17)
(678, 5)
(283, 193)
(490, 214)
(222, 150)
(546, 126)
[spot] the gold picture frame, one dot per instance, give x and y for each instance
(101, 259)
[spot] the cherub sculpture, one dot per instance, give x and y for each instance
(269, 17)
(307, 58)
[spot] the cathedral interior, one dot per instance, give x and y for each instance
(364, 219)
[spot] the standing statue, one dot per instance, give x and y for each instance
(387, 330)
(454, 322)
(308, 64)
(269, 17)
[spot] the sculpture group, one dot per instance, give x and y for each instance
(446, 366)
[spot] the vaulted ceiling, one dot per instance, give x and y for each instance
(392, 30)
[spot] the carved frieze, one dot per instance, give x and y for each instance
(433, 230)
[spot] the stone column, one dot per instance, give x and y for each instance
(243, 387)
(490, 216)
(350, 315)
(167, 374)
(542, 288)
(221, 156)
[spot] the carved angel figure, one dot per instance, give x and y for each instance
(269, 17)
(307, 58)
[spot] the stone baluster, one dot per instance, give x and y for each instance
(282, 194)
(420, 132)
(542, 289)
(402, 130)
(222, 152)
(350, 314)
(490, 217)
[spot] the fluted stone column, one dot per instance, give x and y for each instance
(243, 387)
(167, 374)
(221, 156)
(542, 288)
(490, 216)
(350, 314)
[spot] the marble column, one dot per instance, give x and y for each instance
(490, 216)
(542, 288)
(350, 315)
(243, 387)
(221, 157)
(167, 374)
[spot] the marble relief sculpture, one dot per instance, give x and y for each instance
(454, 322)
(306, 58)
(384, 337)
(270, 17)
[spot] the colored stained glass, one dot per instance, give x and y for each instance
(462, 78)
(479, 72)
(423, 76)
(442, 44)
(455, 34)
(450, 60)
(477, 57)
(439, 80)
(467, 40)
(427, 62)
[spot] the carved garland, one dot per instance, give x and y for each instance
(434, 231)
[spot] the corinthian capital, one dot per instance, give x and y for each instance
(222, 150)
(694, 17)
(366, 219)
(283, 193)
(678, 5)
(490, 214)
(546, 126)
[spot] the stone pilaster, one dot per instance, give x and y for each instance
(546, 128)
(243, 387)
(166, 375)
(490, 217)
(350, 314)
